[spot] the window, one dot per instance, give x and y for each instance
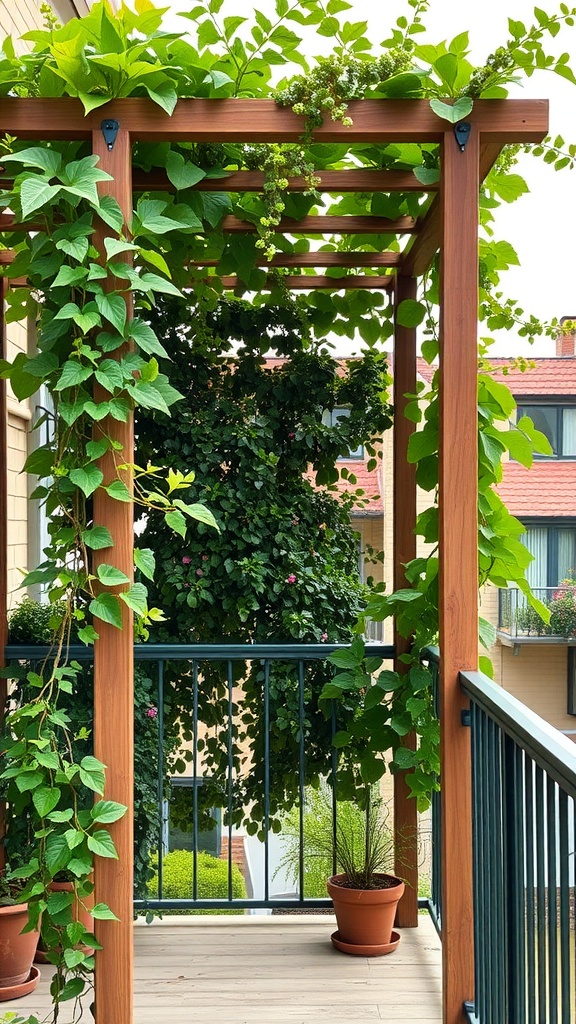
(558, 423)
(554, 550)
(330, 418)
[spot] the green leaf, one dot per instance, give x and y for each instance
(107, 608)
(113, 308)
(136, 598)
(118, 490)
(73, 958)
(57, 853)
(110, 576)
(101, 912)
(69, 276)
(344, 659)
(88, 479)
(59, 901)
(452, 112)
(74, 373)
(92, 773)
(107, 811)
(198, 512)
(36, 156)
(110, 212)
(145, 561)
(154, 283)
(97, 538)
(45, 799)
(422, 443)
(182, 173)
(487, 633)
(102, 844)
(36, 192)
(410, 313)
(176, 521)
(146, 339)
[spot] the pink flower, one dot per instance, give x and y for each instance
(295, 521)
(199, 572)
(324, 637)
(291, 578)
(291, 436)
(152, 712)
(204, 558)
(186, 560)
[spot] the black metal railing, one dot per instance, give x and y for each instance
(287, 680)
(524, 791)
(432, 659)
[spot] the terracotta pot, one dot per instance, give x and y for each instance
(16, 950)
(365, 917)
(79, 913)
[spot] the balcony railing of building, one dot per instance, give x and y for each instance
(519, 622)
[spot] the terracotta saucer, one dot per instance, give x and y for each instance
(23, 989)
(358, 950)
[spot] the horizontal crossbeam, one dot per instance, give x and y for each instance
(309, 282)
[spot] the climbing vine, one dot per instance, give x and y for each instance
(97, 361)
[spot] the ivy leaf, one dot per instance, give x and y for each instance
(146, 394)
(59, 901)
(81, 176)
(101, 912)
(182, 173)
(77, 248)
(487, 633)
(107, 608)
(118, 490)
(48, 160)
(107, 811)
(421, 444)
(113, 308)
(45, 799)
(36, 192)
(87, 635)
(57, 853)
(110, 576)
(69, 276)
(97, 538)
(88, 478)
(146, 339)
(410, 313)
(176, 521)
(136, 598)
(452, 112)
(110, 212)
(73, 957)
(154, 283)
(102, 844)
(198, 512)
(165, 95)
(73, 373)
(144, 561)
(92, 773)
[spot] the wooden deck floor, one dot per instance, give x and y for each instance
(279, 970)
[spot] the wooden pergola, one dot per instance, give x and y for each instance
(450, 225)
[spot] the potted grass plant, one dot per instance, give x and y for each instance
(365, 895)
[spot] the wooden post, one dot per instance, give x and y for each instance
(458, 511)
(114, 674)
(405, 810)
(3, 534)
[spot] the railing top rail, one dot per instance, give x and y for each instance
(545, 745)
(203, 652)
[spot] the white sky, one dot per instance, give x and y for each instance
(541, 225)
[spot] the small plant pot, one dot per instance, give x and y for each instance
(17, 977)
(365, 917)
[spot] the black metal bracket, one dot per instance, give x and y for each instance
(110, 130)
(462, 132)
(466, 717)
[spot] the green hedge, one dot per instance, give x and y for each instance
(177, 874)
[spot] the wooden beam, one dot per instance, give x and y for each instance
(458, 578)
(313, 282)
(311, 225)
(319, 259)
(404, 376)
(327, 225)
(114, 671)
(419, 254)
(256, 120)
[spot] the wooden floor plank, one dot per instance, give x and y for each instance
(274, 972)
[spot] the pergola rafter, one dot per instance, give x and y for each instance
(450, 224)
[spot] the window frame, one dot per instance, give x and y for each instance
(553, 526)
(559, 406)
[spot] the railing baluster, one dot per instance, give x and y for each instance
(266, 779)
(530, 879)
(565, 965)
(195, 780)
(541, 893)
(163, 825)
(477, 725)
(230, 676)
(301, 792)
(334, 787)
(552, 902)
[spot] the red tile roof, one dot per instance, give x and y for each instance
(546, 489)
(544, 377)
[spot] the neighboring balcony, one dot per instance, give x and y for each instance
(519, 623)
